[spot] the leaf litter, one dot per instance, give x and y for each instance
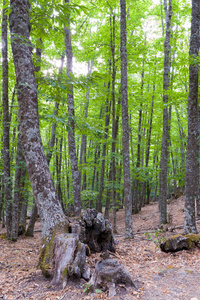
(159, 275)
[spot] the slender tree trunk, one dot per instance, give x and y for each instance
(125, 125)
(31, 224)
(149, 144)
(107, 206)
(192, 142)
(107, 119)
(49, 207)
(58, 171)
(71, 124)
(136, 194)
(165, 136)
(23, 203)
(20, 164)
(136, 181)
(182, 138)
(54, 125)
(84, 137)
(6, 129)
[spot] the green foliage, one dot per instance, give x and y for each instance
(88, 197)
(87, 289)
(158, 237)
(92, 32)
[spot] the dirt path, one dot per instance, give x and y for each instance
(158, 275)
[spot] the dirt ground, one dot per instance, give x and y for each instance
(158, 275)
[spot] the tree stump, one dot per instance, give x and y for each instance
(69, 258)
(63, 256)
(94, 231)
(108, 274)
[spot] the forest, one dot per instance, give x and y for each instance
(99, 110)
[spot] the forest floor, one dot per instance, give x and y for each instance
(158, 275)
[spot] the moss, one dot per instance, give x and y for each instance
(3, 236)
(170, 240)
(194, 238)
(189, 271)
(172, 243)
(79, 247)
(46, 255)
(65, 272)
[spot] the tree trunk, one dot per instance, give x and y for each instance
(6, 129)
(165, 135)
(182, 138)
(31, 224)
(148, 145)
(84, 137)
(53, 128)
(58, 171)
(125, 125)
(34, 212)
(20, 164)
(192, 142)
(71, 123)
(107, 206)
(107, 119)
(49, 207)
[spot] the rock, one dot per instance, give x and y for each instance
(108, 274)
(180, 242)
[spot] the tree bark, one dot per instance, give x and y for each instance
(71, 123)
(20, 164)
(84, 136)
(165, 135)
(6, 129)
(53, 128)
(192, 142)
(34, 212)
(49, 207)
(107, 120)
(125, 124)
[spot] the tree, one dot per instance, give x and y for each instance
(49, 207)
(192, 141)
(71, 123)
(165, 135)
(6, 128)
(125, 124)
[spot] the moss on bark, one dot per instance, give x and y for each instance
(46, 253)
(46, 256)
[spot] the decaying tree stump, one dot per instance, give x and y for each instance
(63, 257)
(108, 274)
(94, 231)
(69, 257)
